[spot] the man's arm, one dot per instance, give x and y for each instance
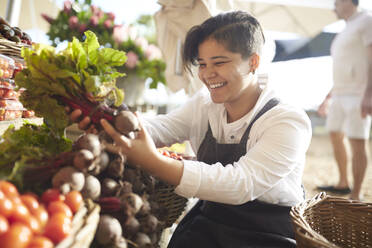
(367, 98)
(323, 107)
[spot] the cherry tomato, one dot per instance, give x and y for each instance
(58, 206)
(6, 207)
(41, 215)
(16, 201)
(17, 236)
(33, 223)
(4, 225)
(20, 213)
(8, 189)
(52, 195)
(33, 195)
(58, 227)
(74, 200)
(40, 242)
(30, 202)
(1, 194)
(165, 153)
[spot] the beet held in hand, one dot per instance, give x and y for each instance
(82, 76)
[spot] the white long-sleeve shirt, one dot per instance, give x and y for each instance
(270, 171)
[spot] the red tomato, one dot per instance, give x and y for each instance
(33, 195)
(6, 207)
(58, 206)
(16, 200)
(40, 242)
(30, 202)
(52, 195)
(20, 213)
(74, 200)
(58, 227)
(8, 189)
(41, 215)
(165, 153)
(33, 223)
(4, 225)
(17, 236)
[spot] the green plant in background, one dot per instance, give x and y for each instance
(76, 18)
(137, 40)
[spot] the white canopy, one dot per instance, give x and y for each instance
(26, 14)
(303, 17)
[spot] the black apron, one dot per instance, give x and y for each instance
(252, 224)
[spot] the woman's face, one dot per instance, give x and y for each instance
(225, 73)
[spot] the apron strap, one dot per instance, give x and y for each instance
(269, 105)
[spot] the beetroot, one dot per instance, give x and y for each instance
(92, 187)
(90, 142)
(143, 241)
(67, 179)
(123, 120)
(108, 231)
(126, 122)
(109, 187)
(131, 227)
(83, 160)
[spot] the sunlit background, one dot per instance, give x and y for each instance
(302, 81)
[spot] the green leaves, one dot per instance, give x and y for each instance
(81, 68)
(23, 147)
(112, 57)
(91, 47)
(79, 56)
(92, 84)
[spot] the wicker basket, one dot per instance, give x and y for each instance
(173, 204)
(84, 225)
(330, 222)
(11, 48)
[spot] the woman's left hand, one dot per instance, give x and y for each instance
(139, 151)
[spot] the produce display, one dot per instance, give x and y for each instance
(13, 33)
(29, 147)
(134, 205)
(12, 39)
(29, 221)
(82, 77)
(7, 66)
(10, 106)
(131, 213)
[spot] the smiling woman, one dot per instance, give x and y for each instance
(228, 77)
(250, 146)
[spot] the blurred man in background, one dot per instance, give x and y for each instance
(349, 104)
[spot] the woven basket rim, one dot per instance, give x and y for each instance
(302, 228)
(84, 224)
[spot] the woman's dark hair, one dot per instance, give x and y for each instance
(238, 31)
(355, 2)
